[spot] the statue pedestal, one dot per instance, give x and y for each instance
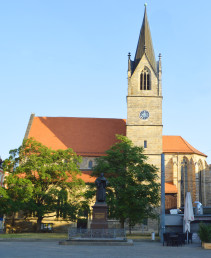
(99, 220)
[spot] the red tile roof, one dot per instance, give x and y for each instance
(86, 177)
(170, 188)
(86, 136)
(92, 136)
(172, 144)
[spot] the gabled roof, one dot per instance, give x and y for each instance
(172, 144)
(86, 136)
(170, 188)
(145, 44)
(91, 136)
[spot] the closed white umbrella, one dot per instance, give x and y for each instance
(188, 213)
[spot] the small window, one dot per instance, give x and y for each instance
(145, 79)
(145, 144)
(90, 164)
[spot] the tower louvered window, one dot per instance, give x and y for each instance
(145, 80)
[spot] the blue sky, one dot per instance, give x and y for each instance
(69, 58)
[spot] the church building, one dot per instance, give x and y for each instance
(185, 167)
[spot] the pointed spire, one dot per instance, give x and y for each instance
(145, 44)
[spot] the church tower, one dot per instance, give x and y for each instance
(144, 100)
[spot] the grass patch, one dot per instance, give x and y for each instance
(64, 236)
(141, 237)
(36, 235)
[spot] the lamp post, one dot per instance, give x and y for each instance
(162, 219)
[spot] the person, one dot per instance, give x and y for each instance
(101, 183)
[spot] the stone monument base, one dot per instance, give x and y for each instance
(99, 220)
(97, 242)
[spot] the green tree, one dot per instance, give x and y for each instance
(42, 181)
(15, 196)
(133, 190)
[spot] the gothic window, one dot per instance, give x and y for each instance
(200, 186)
(145, 79)
(184, 181)
(200, 176)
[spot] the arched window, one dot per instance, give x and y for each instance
(145, 79)
(90, 164)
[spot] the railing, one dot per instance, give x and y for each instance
(206, 210)
(113, 233)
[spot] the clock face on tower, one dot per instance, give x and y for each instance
(144, 114)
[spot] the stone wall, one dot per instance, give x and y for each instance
(86, 162)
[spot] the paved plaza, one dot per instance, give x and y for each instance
(140, 249)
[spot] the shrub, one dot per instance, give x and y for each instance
(205, 232)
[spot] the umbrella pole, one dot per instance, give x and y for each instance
(187, 236)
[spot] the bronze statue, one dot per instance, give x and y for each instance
(101, 183)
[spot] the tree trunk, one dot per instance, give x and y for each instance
(130, 226)
(39, 221)
(13, 219)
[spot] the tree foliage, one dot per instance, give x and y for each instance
(42, 181)
(133, 190)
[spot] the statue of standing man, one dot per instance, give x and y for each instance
(101, 183)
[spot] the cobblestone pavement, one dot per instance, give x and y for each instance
(140, 249)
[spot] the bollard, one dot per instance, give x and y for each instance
(153, 235)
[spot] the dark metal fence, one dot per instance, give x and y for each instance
(113, 233)
(206, 210)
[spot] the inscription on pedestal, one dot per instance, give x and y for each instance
(99, 215)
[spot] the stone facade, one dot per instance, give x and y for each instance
(189, 173)
(145, 131)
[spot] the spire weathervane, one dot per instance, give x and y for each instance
(145, 5)
(160, 56)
